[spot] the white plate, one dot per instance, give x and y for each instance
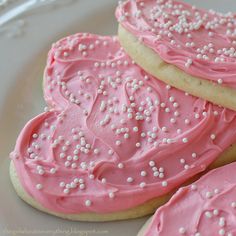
(24, 43)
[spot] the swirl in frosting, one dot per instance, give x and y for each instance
(114, 137)
(201, 43)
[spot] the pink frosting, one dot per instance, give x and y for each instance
(200, 42)
(115, 137)
(207, 207)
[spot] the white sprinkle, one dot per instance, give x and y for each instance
(43, 136)
(83, 165)
(118, 143)
(66, 191)
(91, 176)
(168, 87)
(171, 99)
(209, 195)
(143, 173)
(154, 168)
(142, 184)
(39, 186)
(120, 165)
(210, 34)
(155, 129)
(53, 170)
(213, 136)
(179, 131)
(186, 167)
(151, 163)
(82, 186)
(96, 64)
(163, 104)
(111, 195)
(167, 110)
(73, 185)
(41, 171)
(76, 151)
(216, 191)
(221, 232)
(164, 129)
(64, 148)
(110, 152)
(233, 204)
(185, 140)
(194, 187)
(156, 173)
(74, 165)
(164, 183)
(208, 214)
(68, 143)
(66, 54)
(96, 151)
(194, 155)
(215, 212)
(88, 203)
(175, 104)
(29, 150)
(138, 144)
(76, 180)
(130, 180)
(143, 135)
(182, 230)
(161, 175)
(67, 163)
(222, 222)
(39, 167)
(187, 121)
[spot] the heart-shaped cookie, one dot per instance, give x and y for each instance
(189, 48)
(115, 141)
(207, 207)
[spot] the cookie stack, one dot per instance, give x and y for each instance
(132, 118)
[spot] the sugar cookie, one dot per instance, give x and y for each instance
(186, 47)
(115, 142)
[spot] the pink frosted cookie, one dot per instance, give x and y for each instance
(115, 141)
(207, 207)
(189, 48)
